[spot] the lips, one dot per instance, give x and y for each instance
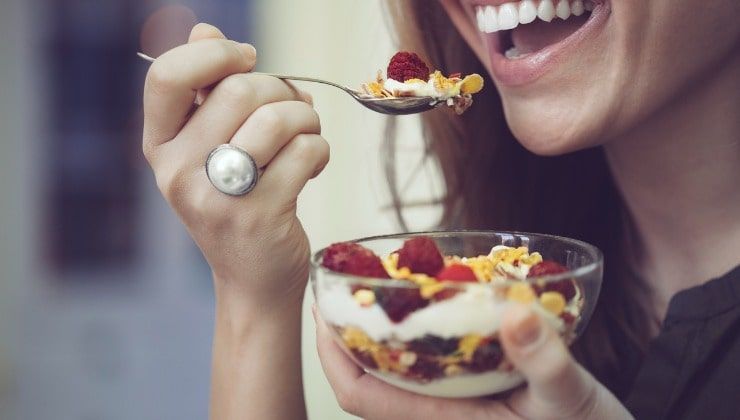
(529, 38)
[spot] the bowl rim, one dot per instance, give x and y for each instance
(579, 272)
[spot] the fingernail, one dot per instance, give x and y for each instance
(528, 329)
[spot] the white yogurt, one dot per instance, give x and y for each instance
(415, 89)
(476, 310)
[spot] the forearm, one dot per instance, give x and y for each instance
(256, 370)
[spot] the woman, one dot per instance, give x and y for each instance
(636, 106)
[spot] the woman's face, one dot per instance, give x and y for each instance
(574, 83)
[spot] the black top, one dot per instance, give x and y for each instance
(692, 369)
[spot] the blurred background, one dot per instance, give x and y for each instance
(106, 305)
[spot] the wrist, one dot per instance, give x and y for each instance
(238, 310)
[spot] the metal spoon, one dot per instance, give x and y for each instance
(390, 106)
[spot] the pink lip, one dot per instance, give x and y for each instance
(525, 70)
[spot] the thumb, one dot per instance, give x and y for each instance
(554, 378)
(200, 32)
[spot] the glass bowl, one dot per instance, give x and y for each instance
(448, 347)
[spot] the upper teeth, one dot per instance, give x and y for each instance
(510, 15)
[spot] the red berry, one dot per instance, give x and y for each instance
(425, 369)
(487, 357)
(398, 303)
(457, 272)
(405, 66)
(445, 294)
(421, 256)
(546, 268)
(567, 287)
(354, 259)
(432, 345)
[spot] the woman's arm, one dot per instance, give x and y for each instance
(256, 370)
(198, 97)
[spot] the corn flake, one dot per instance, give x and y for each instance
(521, 292)
(554, 302)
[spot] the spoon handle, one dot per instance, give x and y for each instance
(309, 79)
(279, 76)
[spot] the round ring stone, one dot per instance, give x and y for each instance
(232, 170)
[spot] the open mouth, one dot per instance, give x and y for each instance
(526, 38)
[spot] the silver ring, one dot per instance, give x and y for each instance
(232, 170)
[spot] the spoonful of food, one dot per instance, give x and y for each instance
(402, 105)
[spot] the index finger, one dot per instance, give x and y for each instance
(174, 79)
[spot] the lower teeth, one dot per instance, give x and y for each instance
(512, 53)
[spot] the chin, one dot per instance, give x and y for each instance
(554, 129)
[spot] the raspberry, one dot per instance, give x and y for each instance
(406, 66)
(425, 369)
(457, 272)
(445, 294)
(398, 303)
(567, 287)
(487, 357)
(421, 256)
(354, 259)
(432, 345)
(546, 268)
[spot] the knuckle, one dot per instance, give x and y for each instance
(268, 120)
(226, 50)
(313, 120)
(161, 79)
(207, 210)
(316, 120)
(238, 54)
(171, 183)
(237, 89)
(200, 203)
(324, 150)
(313, 149)
(203, 210)
(306, 146)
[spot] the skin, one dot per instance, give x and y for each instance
(257, 317)
(662, 82)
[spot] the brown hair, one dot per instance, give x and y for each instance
(492, 182)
